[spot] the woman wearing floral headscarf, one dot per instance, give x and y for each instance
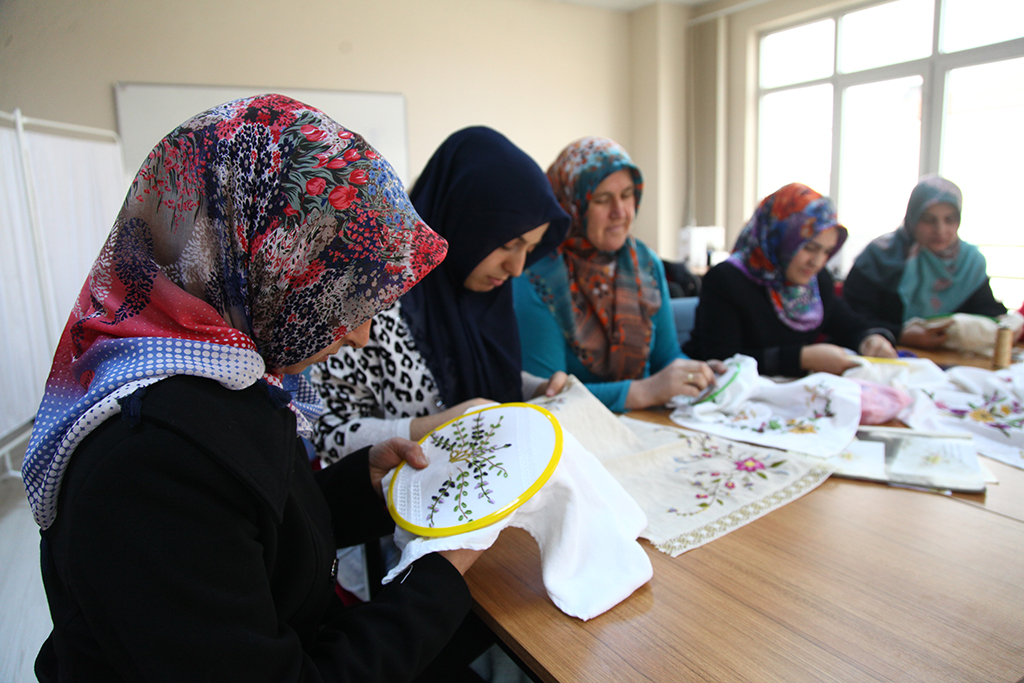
(184, 534)
(922, 270)
(773, 300)
(598, 307)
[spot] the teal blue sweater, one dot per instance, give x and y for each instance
(546, 350)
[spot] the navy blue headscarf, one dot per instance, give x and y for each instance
(479, 191)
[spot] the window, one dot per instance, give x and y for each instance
(860, 104)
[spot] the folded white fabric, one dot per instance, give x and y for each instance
(586, 526)
(817, 415)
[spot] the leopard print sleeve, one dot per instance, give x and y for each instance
(371, 394)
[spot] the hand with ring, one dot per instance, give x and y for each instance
(681, 376)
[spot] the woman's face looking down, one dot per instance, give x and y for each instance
(937, 227)
(812, 257)
(506, 261)
(611, 211)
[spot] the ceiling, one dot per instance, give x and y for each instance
(628, 4)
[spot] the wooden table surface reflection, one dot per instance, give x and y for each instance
(855, 581)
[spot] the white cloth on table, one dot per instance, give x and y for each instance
(585, 417)
(987, 404)
(904, 373)
(586, 526)
(817, 415)
(695, 488)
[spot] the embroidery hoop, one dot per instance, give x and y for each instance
(712, 392)
(528, 464)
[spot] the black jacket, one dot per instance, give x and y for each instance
(871, 299)
(735, 315)
(199, 545)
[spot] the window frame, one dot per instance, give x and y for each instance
(933, 70)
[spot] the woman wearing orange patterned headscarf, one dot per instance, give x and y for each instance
(598, 307)
(773, 300)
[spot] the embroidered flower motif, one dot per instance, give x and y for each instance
(716, 485)
(997, 411)
(750, 465)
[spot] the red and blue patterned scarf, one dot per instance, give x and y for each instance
(254, 236)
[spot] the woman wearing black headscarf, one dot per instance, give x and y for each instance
(452, 341)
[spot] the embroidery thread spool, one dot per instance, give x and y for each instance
(1004, 344)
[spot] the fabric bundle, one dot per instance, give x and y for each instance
(973, 333)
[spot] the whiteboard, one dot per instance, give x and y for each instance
(146, 112)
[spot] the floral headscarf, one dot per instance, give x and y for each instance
(604, 302)
(784, 222)
(928, 283)
(253, 237)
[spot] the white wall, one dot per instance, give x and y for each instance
(542, 72)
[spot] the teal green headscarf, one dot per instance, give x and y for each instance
(929, 283)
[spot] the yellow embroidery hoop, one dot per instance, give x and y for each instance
(498, 514)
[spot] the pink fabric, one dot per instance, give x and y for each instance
(880, 403)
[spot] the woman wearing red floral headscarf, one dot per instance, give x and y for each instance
(184, 534)
(773, 300)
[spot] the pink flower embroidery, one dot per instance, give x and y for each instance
(750, 465)
(351, 155)
(358, 177)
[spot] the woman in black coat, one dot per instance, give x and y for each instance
(185, 536)
(772, 300)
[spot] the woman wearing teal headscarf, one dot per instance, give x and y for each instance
(926, 263)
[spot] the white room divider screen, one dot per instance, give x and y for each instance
(60, 189)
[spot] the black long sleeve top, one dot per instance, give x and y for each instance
(885, 307)
(735, 315)
(198, 545)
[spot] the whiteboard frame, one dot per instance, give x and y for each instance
(146, 112)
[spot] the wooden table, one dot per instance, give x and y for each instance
(944, 358)
(852, 582)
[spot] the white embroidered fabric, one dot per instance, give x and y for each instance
(817, 415)
(987, 404)
(695, 488)
(586, 526)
